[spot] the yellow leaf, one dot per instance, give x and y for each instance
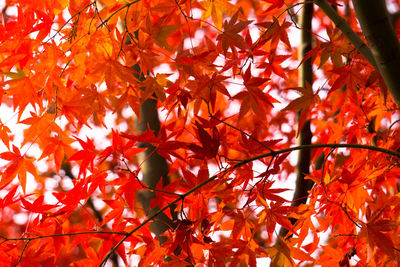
(216, 9)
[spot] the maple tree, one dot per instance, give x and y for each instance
(179, 120)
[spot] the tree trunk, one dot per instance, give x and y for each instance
(382, 39)
(154, 166)
(305, 135)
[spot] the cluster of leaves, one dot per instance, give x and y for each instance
(219, 72)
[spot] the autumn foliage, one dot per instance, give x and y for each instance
(73, 76)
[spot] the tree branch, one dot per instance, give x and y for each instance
(347, 31)
(239, 164)
(380, 35)
(66, 167)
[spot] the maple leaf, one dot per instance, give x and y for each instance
(254, 146)
(135, 17)
(205, 87)
(115, 148)
(86, 155)
(375, 231)
(265, 190)
(275, 4)
(241, 227)
(164, 195)
(119, 148)
(39, 126)
(230, 36)
(23, 93)
(117, 206)
(273, 65)
(283, 254)
(114, 72)
(5, 133)
(337, 46)
(275, 32)
(58, 146)
(160, 32)
(349, 78)
(216, 9)
(129, 189)
(155, 85)
(37, 206)
(210, 144)
(253, 97)
(276, 213)
(18, 165)
(303, 104)
(9, 198)
(72, 198)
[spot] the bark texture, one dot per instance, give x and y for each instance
(382, 39)
(155, 167)
(347, 31)
(305, 135)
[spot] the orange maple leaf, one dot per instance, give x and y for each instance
(18, 165)
(160, 32)
(275, 32)
(23, 93)
(274, 4)
(5, 134)
(216, 9)
(376, 232)
(58, 146)
(303, 103)
(39, 126)
(155, 85)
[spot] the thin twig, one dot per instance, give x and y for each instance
(235, 128)
(115, 12)
(326, 192)
(243, 162)
(145, 186)
(73, 16)
(6, 239)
